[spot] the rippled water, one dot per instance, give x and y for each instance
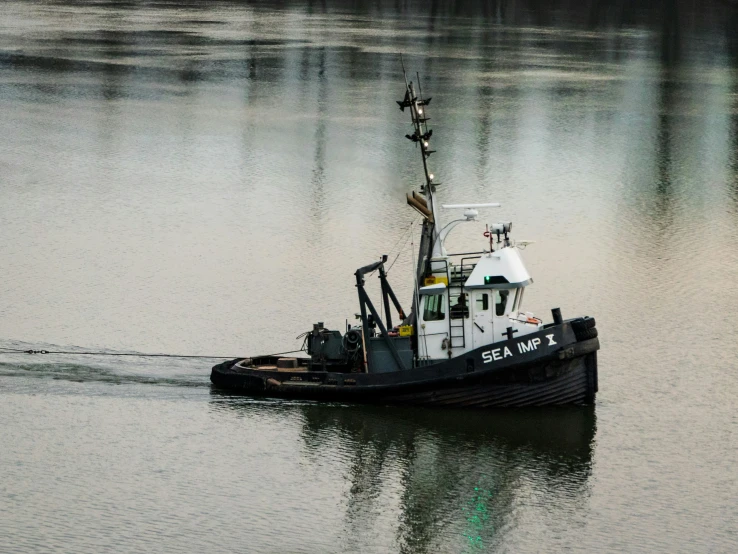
(204, 178)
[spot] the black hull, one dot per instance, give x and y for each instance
(575, 383)
(566, 374)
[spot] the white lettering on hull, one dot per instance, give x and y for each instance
(523, 347)
(529, 346)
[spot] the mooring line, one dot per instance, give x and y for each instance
(69, 352)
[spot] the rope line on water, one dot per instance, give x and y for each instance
(69, 352)
(406, 235)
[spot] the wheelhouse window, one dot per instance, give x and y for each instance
(434, 308)
(482, 302)
(501, 301)
(518, 299)
(459, 306)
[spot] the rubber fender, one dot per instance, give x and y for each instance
(588, 334)
(584, 328)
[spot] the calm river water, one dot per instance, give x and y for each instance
(204, 178)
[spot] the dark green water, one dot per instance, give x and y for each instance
(205, 177)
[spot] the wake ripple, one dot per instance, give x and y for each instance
(91, 373)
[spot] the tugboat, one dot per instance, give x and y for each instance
(465, 343)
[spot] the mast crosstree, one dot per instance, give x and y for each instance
(424, 202)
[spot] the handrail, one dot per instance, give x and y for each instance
(468, 253)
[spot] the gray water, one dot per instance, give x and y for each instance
(204, 178)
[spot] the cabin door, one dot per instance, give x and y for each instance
(481, 318)
(433, 327)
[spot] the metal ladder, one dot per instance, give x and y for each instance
(457, 333)
(457, 327)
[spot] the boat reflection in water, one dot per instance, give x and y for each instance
(422, 480)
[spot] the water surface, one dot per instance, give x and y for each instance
(205, 177)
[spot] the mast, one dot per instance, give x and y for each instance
(424, 202)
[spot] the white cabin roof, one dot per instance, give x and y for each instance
(504, 268)
(438, 288)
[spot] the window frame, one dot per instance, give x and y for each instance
(506, 297)
(519, 298)
(438, 309)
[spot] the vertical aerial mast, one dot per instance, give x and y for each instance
(421, 135)
(424, 204)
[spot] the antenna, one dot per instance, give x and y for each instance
(404, 73)
(421, 134)
(421, 137)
